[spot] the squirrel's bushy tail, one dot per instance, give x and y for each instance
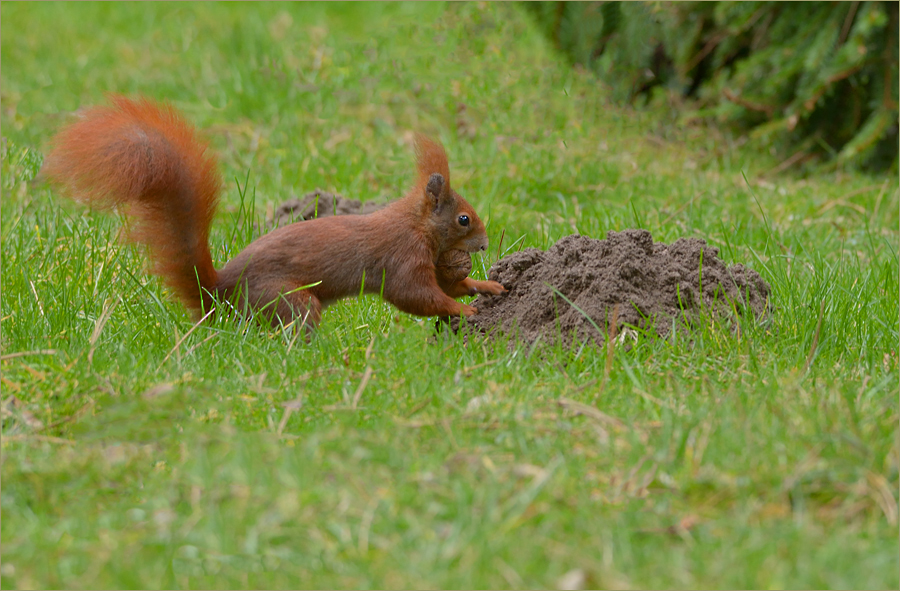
(145, 158)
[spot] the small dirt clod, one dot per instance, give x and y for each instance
(319, 204)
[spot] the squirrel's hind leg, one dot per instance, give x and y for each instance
(283, 307)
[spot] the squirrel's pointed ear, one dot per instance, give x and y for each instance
(434, 172)
(434, 190)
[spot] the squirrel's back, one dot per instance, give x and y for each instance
(332, 254)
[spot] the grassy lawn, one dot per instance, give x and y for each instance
(136, 453)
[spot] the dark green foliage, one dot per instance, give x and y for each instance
(815, 80)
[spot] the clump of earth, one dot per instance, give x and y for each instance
(319, 204)
(580, 287)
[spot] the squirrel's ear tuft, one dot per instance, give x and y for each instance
(430, 159)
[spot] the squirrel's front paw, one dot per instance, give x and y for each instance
(467, 310)
(491, 287)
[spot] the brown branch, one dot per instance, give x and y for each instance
(767, 109)
(26, 353)
(797, 158)
(848, 22)
(752, 20)
(815, 342)
(811, 102)
(889, 103)
(710, 45)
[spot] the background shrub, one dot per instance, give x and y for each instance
(816, 81)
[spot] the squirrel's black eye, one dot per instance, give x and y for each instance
(463, 220)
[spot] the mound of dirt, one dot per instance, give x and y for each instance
(627, 277)
(319, 204)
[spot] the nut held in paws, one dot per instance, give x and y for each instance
(453, 266)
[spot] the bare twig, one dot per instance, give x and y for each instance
(848, 22)
(186, 335)
(289, 408)
(37, 299)
(27, 353)
(44, 438)
(738, 100)
(78, 413)
(590, 411)
(883, 496)
(299, 330)
(798, 157)
(815, 343)
(98, 328)
(610, 346)
(710, 45)
(210, 337)
(468, 370)
(366, 524)
(370, 347)
(362, 385)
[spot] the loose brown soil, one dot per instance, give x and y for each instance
(628, 277)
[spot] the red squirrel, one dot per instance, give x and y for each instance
(145, 157)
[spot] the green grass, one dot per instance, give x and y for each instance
(236, 457)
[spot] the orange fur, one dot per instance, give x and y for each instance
(146, 158)
(149, 161)
(430, 158)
